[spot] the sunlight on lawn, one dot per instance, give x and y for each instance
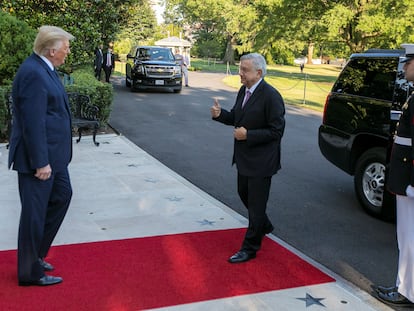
(309, 88)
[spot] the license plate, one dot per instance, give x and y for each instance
(159, 82)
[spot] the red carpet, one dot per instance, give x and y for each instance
(142, 273)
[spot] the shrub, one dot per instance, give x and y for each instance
(4, 114)
(15, 45)
(100, 93)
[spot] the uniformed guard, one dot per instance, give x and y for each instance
(401, 183)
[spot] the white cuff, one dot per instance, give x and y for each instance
(410, 191)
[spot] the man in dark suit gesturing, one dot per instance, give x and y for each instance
(259, 123)
(40, 151)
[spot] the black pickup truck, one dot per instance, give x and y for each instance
(152, 67)
(359, 122)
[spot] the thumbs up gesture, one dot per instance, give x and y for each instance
(215, 109)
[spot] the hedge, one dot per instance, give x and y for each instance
(100, 93)
(84, 82)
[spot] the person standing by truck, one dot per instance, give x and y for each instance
(401, 183)
(184, 62)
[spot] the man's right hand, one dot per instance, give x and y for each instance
(215, 109)
(44, 173)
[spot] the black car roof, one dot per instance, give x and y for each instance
(151, 47)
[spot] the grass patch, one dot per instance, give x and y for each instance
(308, 89)
(119, 69)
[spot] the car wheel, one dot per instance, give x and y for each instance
(127, 83)
(369, 181)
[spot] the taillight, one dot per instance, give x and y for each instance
(325, 107)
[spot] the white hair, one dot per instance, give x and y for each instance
(50, 37)
(258, 61)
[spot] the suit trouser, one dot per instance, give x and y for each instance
(185, 74)
(108, 71)
(405, 236)
(254, 193)
(98, 71)
(44, 206)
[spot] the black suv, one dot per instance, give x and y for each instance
(152, 67)
(359, 121)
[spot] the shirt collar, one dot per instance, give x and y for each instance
(48, 63)
(251, 90)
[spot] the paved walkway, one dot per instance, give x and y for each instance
(120, 192)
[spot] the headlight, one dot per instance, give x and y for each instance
(177, 70)
(139, 69)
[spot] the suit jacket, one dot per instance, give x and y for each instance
(41, 127)
(401, 166)
(263, 117)
(112, 60)
(98, 59)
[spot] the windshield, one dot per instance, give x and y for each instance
(155, 54)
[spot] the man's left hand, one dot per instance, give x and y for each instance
(240, 133)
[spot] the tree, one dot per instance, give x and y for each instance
(345, 25)
(283, 29)
(16, 42)
(222, 19)
(364, 24)
(140, 24)
(92, 22)
(138, 28)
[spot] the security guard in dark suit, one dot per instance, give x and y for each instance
(401, 183)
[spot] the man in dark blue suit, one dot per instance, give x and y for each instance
(259, 123)
(40, 151)
(98, 62)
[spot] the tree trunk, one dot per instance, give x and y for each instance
(310, 52)
(229, 55)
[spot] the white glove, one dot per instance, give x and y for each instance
(410, 191)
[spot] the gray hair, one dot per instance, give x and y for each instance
(50, 37)
(258, 61)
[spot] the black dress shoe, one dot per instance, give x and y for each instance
(268, 230)
(46, 266)
(44, 281)
(395, 299)
(383, 289)
(241, 256)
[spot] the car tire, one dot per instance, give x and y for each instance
(369, 183)
(127, 83)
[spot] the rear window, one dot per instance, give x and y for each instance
(368, 77)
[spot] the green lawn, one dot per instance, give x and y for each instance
(309, 88)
